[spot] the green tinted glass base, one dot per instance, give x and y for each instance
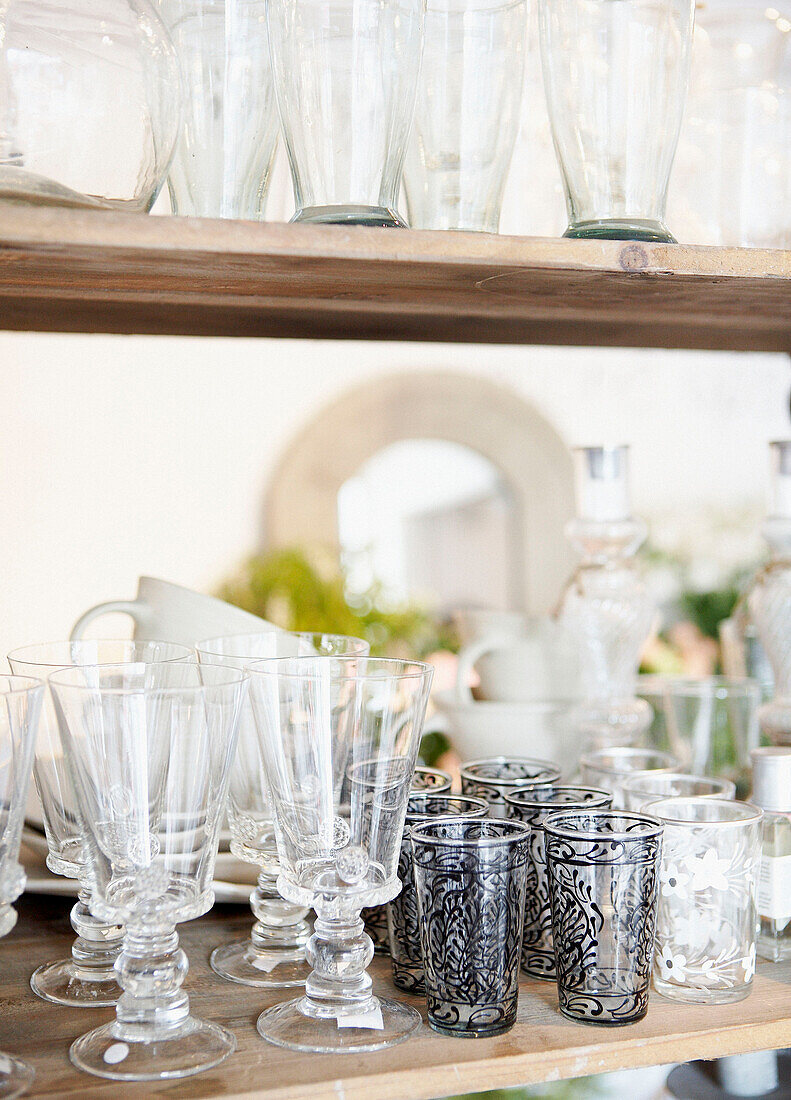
(350, 215)
(614, 229)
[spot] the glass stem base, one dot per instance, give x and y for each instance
(621, 229)
(351, 214)
(16, 1077)
(87, 979)
(339, 1013)
(274, 955)
(153, 1036)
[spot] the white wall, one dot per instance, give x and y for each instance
(128, 455)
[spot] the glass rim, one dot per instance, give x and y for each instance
(60, 678)
(268, 666)
(522, 798)
(18, 654)
(653, 826)
(516, 830)
(626, 752)
(22, 683)
(749, 813)
(472, 815)
(633, 782)
(699, 686)
(204, 645)
(474, 7)
(466, 770)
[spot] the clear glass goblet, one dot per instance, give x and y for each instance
(466, 113)
(339, 737)
(19, 716)
(273, 955)
(345, 75)
(149, 749)
(87, 979)
(224, 154)
(616, 77)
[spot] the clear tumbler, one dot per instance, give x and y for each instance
(345, 74)
(616, 75)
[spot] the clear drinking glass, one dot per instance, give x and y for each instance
(339, 737)
(149, 749)
(608, 768)
(223, 159)
(19, 716)
(637, 791)
(90, 104)
(603, 869)
(709, 725)
(466, 113)
(345, 74)
(470, 878)
(533, 807)
(273, 955)
(496, 777)
(707, 921)
(88, 979)
(403, 920)
(616, 78)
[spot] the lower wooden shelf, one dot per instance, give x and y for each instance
(543, 1046)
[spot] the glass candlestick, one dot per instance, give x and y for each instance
(769, 598)
(606, 606)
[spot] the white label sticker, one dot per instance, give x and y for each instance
(774, 888)
(267, 965)
(372, 1019)
(116, 1053)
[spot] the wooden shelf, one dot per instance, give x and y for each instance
(542, 1046)
(77, 271)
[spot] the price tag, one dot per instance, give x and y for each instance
(372, 1019)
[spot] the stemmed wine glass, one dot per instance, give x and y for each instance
(19, 716)
(339, 737)
(273, 955)
(149, 751)
(87, 979)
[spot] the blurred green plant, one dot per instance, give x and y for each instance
(304, 588)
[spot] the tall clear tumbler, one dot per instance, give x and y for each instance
(19, 714)
(149, 750)
(339, 737)
(345, 75)
(87, 979)
(466, 113)
(223, 159)
(616, 75)
(273, 955)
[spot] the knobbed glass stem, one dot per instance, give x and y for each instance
(273, 956)
(151, 971)
(339, 951)
(88, 978)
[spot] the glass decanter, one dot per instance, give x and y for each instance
(769, 598)
(606, 606)
(90, 103)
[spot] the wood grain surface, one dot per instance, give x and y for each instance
(96, 271)
(543, 1046)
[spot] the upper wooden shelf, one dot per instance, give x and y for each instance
(77, 271)
(542, 1046)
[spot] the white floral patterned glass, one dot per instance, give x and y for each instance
(149, 750)
(88, 978)
(339, 737)
(19, 716)
(706, 923)
(639, 790)
(273, 955)
(608, 768)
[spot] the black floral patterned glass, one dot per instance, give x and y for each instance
(494, 778)
(470, 878)
(424, 779)
(533, 806)
(602, 867)
(403, 922)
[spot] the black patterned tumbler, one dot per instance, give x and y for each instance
(470, 877)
